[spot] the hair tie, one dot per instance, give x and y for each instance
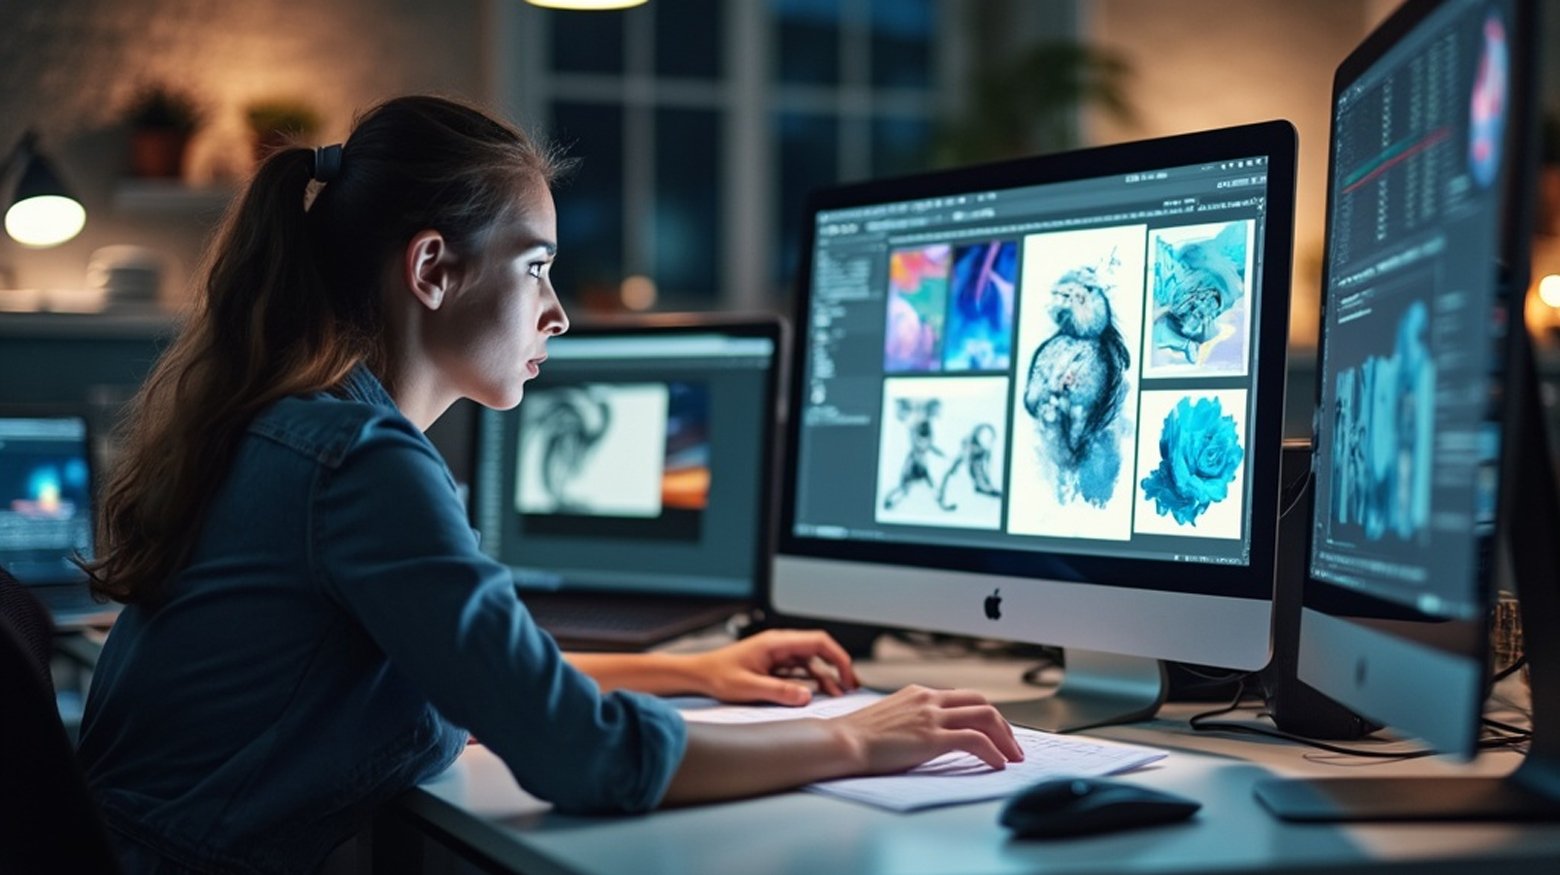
(327, 163)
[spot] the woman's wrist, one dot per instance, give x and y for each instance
(850, 745)
(688, 672)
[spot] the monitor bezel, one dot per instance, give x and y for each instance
(1350, 639)
(768, 326)
(1274, 140)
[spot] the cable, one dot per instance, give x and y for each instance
(1507, 727)
(1201, 723)
(1509, 670)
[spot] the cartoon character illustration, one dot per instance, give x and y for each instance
(917, 416)
(1076, 388)
(1194, 286)
(975, 454)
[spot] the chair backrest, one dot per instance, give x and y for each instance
(48, 821)
(30, 621)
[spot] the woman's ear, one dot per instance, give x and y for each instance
(431, 268)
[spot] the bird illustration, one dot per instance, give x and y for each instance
(1076, 389)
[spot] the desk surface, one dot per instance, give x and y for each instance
(478, 806)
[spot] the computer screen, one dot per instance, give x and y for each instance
(635, 462)
(1060, 377)
(1419, 308)
(1427, 417)
(1414, 348)
(45, 497)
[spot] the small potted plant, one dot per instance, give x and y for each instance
(276, 122)
(161, 124)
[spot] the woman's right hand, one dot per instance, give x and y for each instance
(899, 732)
(917, 724)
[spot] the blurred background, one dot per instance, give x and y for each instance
(701, 124)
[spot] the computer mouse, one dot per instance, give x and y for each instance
(1064, 807)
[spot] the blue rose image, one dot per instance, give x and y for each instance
(1199, 452)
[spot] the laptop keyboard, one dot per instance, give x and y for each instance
(606, 614)
(618, 621)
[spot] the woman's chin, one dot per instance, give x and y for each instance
(501, 397)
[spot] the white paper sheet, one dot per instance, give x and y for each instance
(953, 777)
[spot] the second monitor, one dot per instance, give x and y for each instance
(1041, 400)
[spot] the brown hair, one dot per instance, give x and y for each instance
(290, 303)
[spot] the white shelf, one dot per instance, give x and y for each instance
(170, 196)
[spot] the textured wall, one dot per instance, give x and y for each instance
(71, 66)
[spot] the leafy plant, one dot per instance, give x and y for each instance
(285, 117)
(1026, 103)
(159, 108)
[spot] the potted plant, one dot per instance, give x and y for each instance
(276, 122)
(161, 124)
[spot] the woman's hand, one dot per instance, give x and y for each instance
(917, 724)
(770, 666)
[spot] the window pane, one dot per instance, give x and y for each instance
(902, 32)
(809, 41)
(900, 145)
(586, 42)
(590, 201)
(688, 38)
(809, 158)
(687, 203)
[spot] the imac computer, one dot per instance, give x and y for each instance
(1430, 453)
(1040, 401)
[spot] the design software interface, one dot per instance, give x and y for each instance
(1066, 367)
(1408, 336)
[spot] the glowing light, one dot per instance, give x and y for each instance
(46, 220)
(586, 5)
(1549, 290)
(638, 293)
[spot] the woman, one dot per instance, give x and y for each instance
(310, 628)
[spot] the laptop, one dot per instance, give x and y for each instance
(629, 492)
(46, 512)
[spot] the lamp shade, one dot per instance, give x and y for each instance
(584, 5)
(43, 213)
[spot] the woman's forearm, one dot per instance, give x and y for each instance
(730, 761)
(660, 674)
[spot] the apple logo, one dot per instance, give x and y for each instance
(994, 604)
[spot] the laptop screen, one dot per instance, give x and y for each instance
(638, 462)
(45, 497)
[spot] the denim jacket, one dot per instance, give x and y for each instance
(334, 634)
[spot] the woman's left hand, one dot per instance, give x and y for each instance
(769, 666)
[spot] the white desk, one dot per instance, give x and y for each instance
(477, 808)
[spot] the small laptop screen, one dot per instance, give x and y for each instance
(636, 463)
(45, 497)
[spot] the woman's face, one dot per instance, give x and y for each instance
(492, 337)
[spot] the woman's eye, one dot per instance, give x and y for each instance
(535, 268)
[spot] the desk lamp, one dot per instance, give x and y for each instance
(42, 212)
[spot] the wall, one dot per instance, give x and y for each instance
(71, 67)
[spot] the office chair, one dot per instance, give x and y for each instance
(48, 821)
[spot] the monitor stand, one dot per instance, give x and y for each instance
(1532, 792)
(1097, 689)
